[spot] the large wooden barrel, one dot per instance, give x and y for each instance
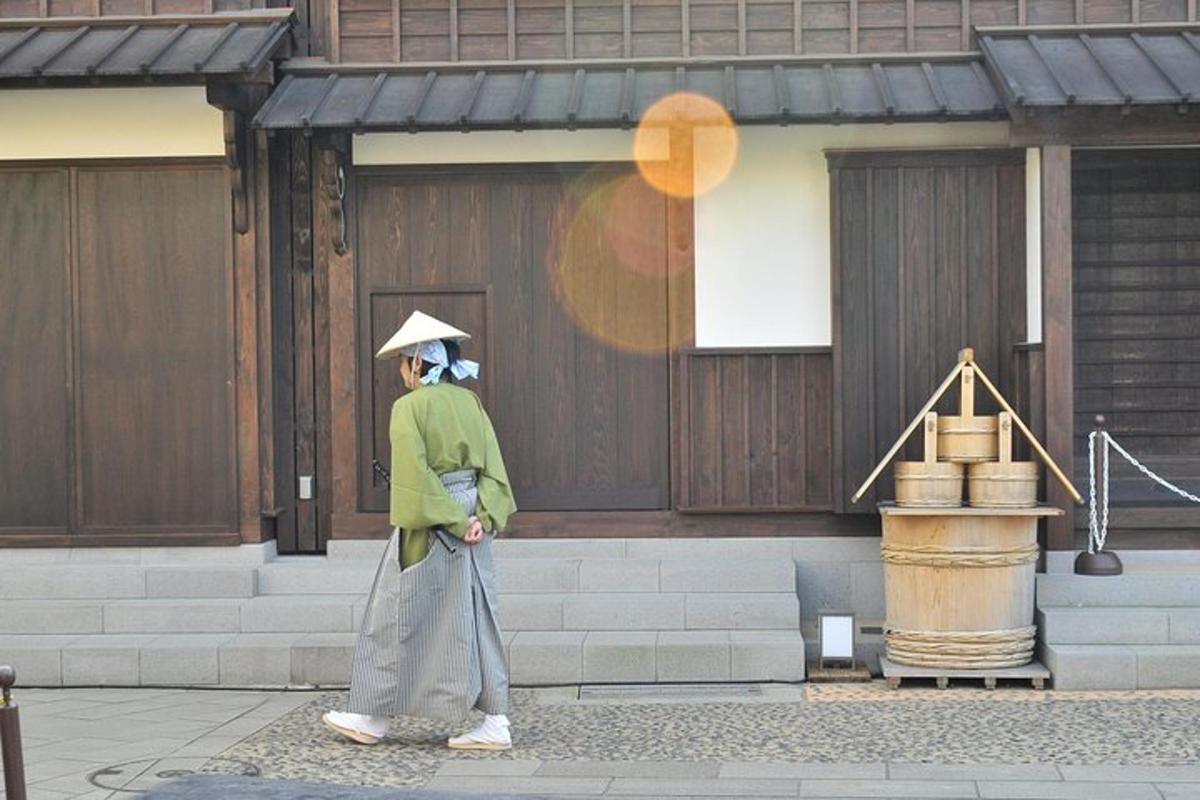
(959, 586)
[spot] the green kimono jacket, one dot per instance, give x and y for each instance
(437, 429)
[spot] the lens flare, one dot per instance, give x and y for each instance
(608, 260)
(679, 175)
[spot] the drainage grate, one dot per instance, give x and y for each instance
(670, 691)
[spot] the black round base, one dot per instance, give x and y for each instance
(1103, 562)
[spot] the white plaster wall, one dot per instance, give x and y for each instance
(763, 236)
(501, 147)
(141, 122)
(1033, 244)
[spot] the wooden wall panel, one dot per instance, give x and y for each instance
(491, 30)
(154, 371)
(35, 313)
(928, 258)
(545, 262)
(758, 431)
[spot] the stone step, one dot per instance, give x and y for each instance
(1169, 588)
(323, 659)
(292, 575)
(635, 611)
(1063, 561)
(1123, 666)
(1136, 625)
(50, 581)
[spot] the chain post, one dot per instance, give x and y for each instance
(1097, 560)
(10, 738)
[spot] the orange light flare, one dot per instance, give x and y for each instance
(686, 172)
(608, 261)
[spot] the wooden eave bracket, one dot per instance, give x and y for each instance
(237, 102)
(966, 358)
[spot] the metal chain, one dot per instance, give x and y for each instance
(1149, 474)
(1098, 528)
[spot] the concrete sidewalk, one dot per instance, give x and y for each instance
(630, 742)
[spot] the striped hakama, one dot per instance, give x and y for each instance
(430, 642)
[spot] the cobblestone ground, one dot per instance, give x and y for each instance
(844, 741)
(830, 725)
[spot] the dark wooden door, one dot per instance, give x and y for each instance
(928, 257)
(1137, 327)
(116, 408)
(561, 275)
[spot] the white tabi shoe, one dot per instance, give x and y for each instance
(491, 734)
(358, 727)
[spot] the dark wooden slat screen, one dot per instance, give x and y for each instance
(758, 431)
(1136, 278)
(928, 257)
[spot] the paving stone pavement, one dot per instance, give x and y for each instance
(630, 742)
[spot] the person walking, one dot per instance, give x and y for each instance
(430, 643)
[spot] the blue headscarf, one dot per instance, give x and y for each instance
(435, 353)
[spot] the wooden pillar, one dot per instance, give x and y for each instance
(1057, 336)
(681, 294)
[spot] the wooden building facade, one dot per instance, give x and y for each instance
(190, 317)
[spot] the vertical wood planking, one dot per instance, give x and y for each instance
(758, 430)
(303, 331)
(918, 267)
(283, 339)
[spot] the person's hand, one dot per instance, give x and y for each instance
(474, 532)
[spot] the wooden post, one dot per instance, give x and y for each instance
(10, 738)
(931, 439)
(1057, 334)
(1004, 448)
(966, 400)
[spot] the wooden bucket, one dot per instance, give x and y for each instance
(967, 439)
(999, 484)
(959, 587)
(926, 484)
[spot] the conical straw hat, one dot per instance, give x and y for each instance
(416, 329)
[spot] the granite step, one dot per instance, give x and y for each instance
(323, 659)
(1123, 666)
(1156, 588)
(1119, 625)
(107, 581)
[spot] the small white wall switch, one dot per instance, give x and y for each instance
(306, 487)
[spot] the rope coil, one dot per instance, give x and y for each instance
(932, 555)
(1010, 647)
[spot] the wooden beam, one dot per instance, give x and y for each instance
(248, 326)
(1057, 335)
(741, 26)
(912, 427)
(853, 26)
(569, 27)
(910, 25)
(627, 28)
(510, 28)
(797, 26)
(685, 28)
(397, 34)
(454, 30)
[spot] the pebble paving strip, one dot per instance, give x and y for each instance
(864, 724)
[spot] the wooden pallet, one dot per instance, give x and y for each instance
(1034, 672)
